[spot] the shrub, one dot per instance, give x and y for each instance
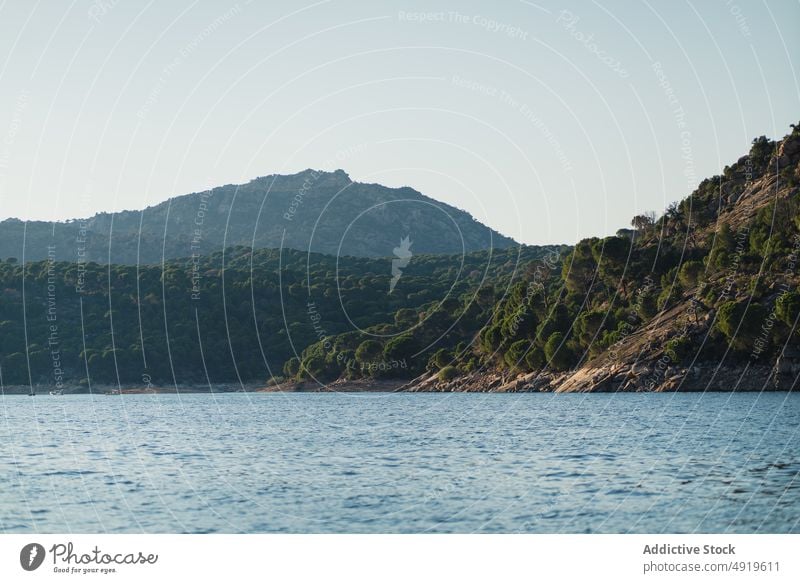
(739, 323)
(315, 367)
(724, 244)
(534, 360)
(400, 348)
(690, 273)
(441, 358)
(490, 338)
(448, 373)
(679, 349)
(647, 304)
(406, 318)
(291, 367)
(668, 297)
(588, 325)
(471, 365)
(515, 356)
(787, 308)
(558, 354)
(368, 351)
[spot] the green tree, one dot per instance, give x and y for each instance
(491, 339)
(441, 358)
(724, 244)
(611, 255)
(740, 323)
(515, 356)
(679, 349)
(401, 348)
(578, 268)
(292, 367)
(647, 304)
(787, 309)
(448, 373)
(535, 359)
(557, 352)
(760, 152)
(588, 326)
(690, 273)
(559, 320)
(644, 221)
(368, 351)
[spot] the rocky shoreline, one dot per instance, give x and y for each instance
(654, 376)
(610, 380)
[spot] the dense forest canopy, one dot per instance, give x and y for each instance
(224, 318)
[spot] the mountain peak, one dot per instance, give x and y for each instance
(312, 210)
(308, 179)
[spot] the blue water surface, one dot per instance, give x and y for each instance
(401, 463)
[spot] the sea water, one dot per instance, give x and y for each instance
(372, 462)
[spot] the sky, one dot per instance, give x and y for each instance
(548, 121)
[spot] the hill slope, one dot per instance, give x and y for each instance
(324, 212)
(704, 298)
(219, 319)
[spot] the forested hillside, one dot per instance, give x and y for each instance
(226, 318)
(703, 297)
(322, 212)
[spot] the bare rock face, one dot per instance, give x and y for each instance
(700, 378)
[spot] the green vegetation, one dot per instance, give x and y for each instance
(733, 286)
(715, 277)
(323, 212)
(195, 321)
(448, 373)
(787, 309)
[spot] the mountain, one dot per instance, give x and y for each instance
(321, 212)
(705, 297)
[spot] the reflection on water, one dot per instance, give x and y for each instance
(401, 463)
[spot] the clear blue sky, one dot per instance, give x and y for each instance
(548, 121)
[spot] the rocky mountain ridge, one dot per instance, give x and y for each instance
(313, 210)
